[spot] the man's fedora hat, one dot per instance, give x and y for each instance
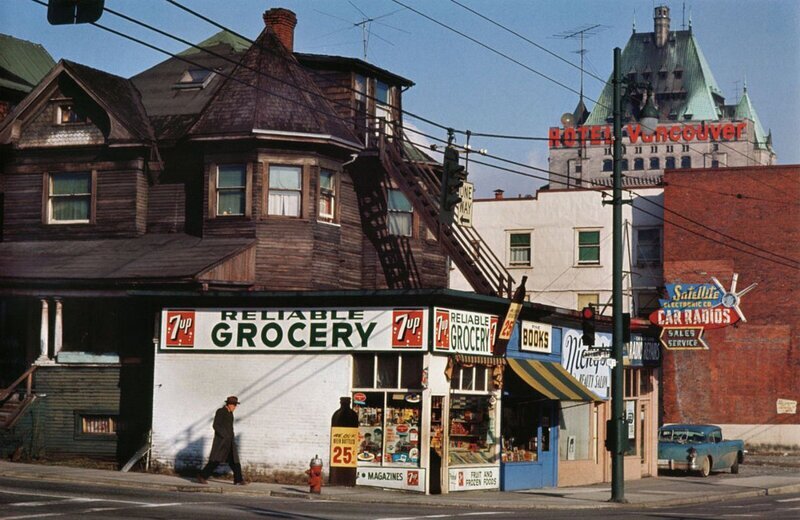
(232, 400)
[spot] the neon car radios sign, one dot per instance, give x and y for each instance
(692, 308)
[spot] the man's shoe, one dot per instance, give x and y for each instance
(241, 483)
(201, 480)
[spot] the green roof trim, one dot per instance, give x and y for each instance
(25, 62)
(745, 110)
(237, 43)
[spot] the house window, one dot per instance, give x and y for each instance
(360, 97)
(608, 165)
(678, 74)
(519, 249)
(393, 371)
(400, 213)
(383, 100)
(588, 247)
(686, 162)
(648, 247)
(638, 164)
(68, 114)
(70, 197)
(469, 378)
(194, 79)
(327, 194)
(285, 191)
(231, 189)
(670, 163)
(96, 425)
(646, 302)
(588, 300)
(655, 163)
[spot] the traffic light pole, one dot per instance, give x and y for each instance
(617, 405)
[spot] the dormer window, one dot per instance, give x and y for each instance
(69, 198)
(68, 114)
(195, 78)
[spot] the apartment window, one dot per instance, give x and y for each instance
(400, 214)
(714, 163)
(625, 165)
(714, 147)
(684, 147)
(678, 74)
(588, 247)
(68, 114)
(638, 164)
(670, 163)
(646, 302)
(637, 149)
(654, 149)
(608, 165)
(655, 163)
(686, 162)
(69, 197)
(670, 148)
(607, 150)
(95, 425)
(648, 246)
(588, 300)
(285, 191)
(231, 189)
(327, 194)
(519, 249)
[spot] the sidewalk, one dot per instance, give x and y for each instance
(650, 492)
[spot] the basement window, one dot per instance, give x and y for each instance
(95, 424)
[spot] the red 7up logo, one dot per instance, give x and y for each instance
(180, 329)
(407, 328)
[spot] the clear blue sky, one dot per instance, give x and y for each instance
(459, 83)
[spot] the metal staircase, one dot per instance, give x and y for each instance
(420, 181)
(14, 400)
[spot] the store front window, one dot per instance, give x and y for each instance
(522, 422)
(574, 440)
(472, 430)
(387, 398)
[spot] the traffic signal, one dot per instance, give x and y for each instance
(453, 177)
(61, 12)
(611, 435)
(587, 322)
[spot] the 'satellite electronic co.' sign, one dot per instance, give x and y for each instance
(694, 307)
(575, 136)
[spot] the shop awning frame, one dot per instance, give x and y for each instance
(551, 380)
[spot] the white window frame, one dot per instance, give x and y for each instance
(578, 247)
(273, 191)
(458, 375)
(328, 194)
(398, 212)
(50, 177)
(229, 189)
(510, 248)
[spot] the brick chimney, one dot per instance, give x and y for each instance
(498, 194)
(282, 21)
(661, 25)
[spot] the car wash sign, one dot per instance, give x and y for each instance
(306, 330)
(464, 332)
(694, 307)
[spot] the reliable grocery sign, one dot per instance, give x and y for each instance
(294, 330)
(464, 332)
(692, 308)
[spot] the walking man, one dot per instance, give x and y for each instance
(223, 449)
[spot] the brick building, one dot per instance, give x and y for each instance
(748, 380)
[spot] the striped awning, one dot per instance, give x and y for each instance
(472, 359)
(552, 380)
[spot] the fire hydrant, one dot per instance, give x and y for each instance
(314, 473)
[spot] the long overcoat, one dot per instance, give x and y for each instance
(224, 445)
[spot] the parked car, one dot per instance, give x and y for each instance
(698, 448)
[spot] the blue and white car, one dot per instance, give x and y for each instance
(698, 448)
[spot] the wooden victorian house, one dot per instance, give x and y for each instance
(232, 170)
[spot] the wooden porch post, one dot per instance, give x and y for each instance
(58, 330)
(44, 333)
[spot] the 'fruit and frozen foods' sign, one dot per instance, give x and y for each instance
(294, 330)
(464, 332)
(470, 479)
(691, 308)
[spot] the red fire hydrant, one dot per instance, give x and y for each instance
(314, 473)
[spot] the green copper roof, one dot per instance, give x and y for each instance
(745, 110)
(236, 43)
(22, 63)
(682, 80)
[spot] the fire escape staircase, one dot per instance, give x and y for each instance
(420, 182)
(14, 401)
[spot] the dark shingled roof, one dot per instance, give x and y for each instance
(117, 95)
(271, 91)
(151, 257)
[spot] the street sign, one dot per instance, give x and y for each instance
(463, 211)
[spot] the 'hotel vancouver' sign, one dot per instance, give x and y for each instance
(694, 307)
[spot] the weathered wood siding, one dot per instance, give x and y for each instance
(70, 391)
(166, 208)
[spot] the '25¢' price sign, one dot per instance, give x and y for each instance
(344, 446)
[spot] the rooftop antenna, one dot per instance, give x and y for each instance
(581, 33)
(365, 24)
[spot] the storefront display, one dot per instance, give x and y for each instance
(388, 428)
(472, 430)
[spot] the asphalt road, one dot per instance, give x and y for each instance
(25, 499)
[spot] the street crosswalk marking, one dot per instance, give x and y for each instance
(789, 500)
(454, 515)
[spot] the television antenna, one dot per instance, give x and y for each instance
(582, 33)
(365, 24)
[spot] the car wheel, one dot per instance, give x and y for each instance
(735, 467)
(705, 469)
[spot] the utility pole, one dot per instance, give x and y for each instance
(617, 394)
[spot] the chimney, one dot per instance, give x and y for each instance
(661, 25)
(498, 194)
(282, 21)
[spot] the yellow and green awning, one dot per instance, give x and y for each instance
(552, 380)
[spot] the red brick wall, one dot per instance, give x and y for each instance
(751, 365)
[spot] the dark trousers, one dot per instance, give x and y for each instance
(235, 466)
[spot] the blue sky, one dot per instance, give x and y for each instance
(459, 83)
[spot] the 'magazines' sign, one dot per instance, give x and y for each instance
(570, 137)
(294, 330)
